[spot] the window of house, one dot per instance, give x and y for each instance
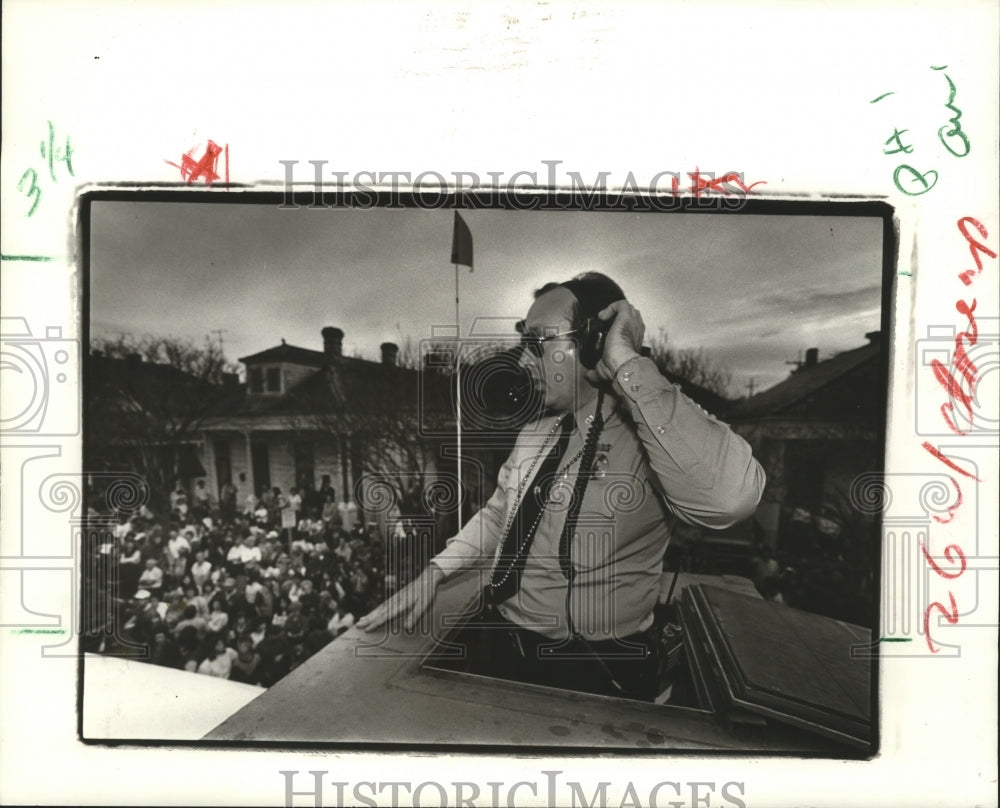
(274, 380)
(255, 377)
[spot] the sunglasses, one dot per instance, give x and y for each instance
(531, 343)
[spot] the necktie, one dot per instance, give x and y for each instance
(582, 478)
(506, 578)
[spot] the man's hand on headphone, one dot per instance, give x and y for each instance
(622, 342)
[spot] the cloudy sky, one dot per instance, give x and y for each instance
(753, 291)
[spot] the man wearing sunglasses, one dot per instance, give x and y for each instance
(570, 545)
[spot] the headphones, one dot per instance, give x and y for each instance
(592, 337)
(594, 292)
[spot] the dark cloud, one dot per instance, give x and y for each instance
(752, 290)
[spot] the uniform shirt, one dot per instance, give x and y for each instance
(663, 458)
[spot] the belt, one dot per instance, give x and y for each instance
(532, 645)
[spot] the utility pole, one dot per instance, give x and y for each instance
(219, 332)
(797, 362)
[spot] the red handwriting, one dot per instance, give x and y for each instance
(949, 551)
(964, 367)
(961, 369)
(709, 182)
(206, 167)
(948, 461)
(951, 615)
(974, 247)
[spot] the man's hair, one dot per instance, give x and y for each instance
(592, 292)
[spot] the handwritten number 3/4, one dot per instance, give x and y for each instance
(33, 191)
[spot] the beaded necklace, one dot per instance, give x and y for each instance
(563, 472)
(517, 501)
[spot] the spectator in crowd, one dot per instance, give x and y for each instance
(179, 500)
(164, 651)
(238, 630)
(130, 568)
(279, 502)
(266, 501)
(193, 597)
(179, 540)
(348, 515)
(295, 503)
(227, 501)
(177, 566)
(250, 552)
(188, 649)
(201, 569)
(325, 487)
(218, 618)
(153, 546)
(297, 653)
(259, 631)
(246, 663)
(343, 549)
(151, 578)
(197, 591)
(330, 513)
(273, 652)
(341, 620)
(190, 618)
(202, 500)
(251, 504)
(280, 616)
(218, 658)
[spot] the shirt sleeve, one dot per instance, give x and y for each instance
(707, 472)
(479, 538)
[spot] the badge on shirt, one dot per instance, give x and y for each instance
(600, 467)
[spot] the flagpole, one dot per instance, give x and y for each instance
(461, 253)
(458, 397)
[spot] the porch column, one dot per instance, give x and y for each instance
(250, 479)
(211, 471)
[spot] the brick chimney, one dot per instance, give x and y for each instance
(333, 342)
(390, 352)
(812, 356)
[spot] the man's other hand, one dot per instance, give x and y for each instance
(408, 603)
(623, 341)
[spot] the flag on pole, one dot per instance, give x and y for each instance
(461, 243)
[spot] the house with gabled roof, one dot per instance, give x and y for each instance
(309, 415)
(147, 416)
(814, 433)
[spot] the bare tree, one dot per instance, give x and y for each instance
(147, 397)
(690, 364)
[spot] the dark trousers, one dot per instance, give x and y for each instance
(625, 667)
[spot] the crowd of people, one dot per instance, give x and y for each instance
(248, 593)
